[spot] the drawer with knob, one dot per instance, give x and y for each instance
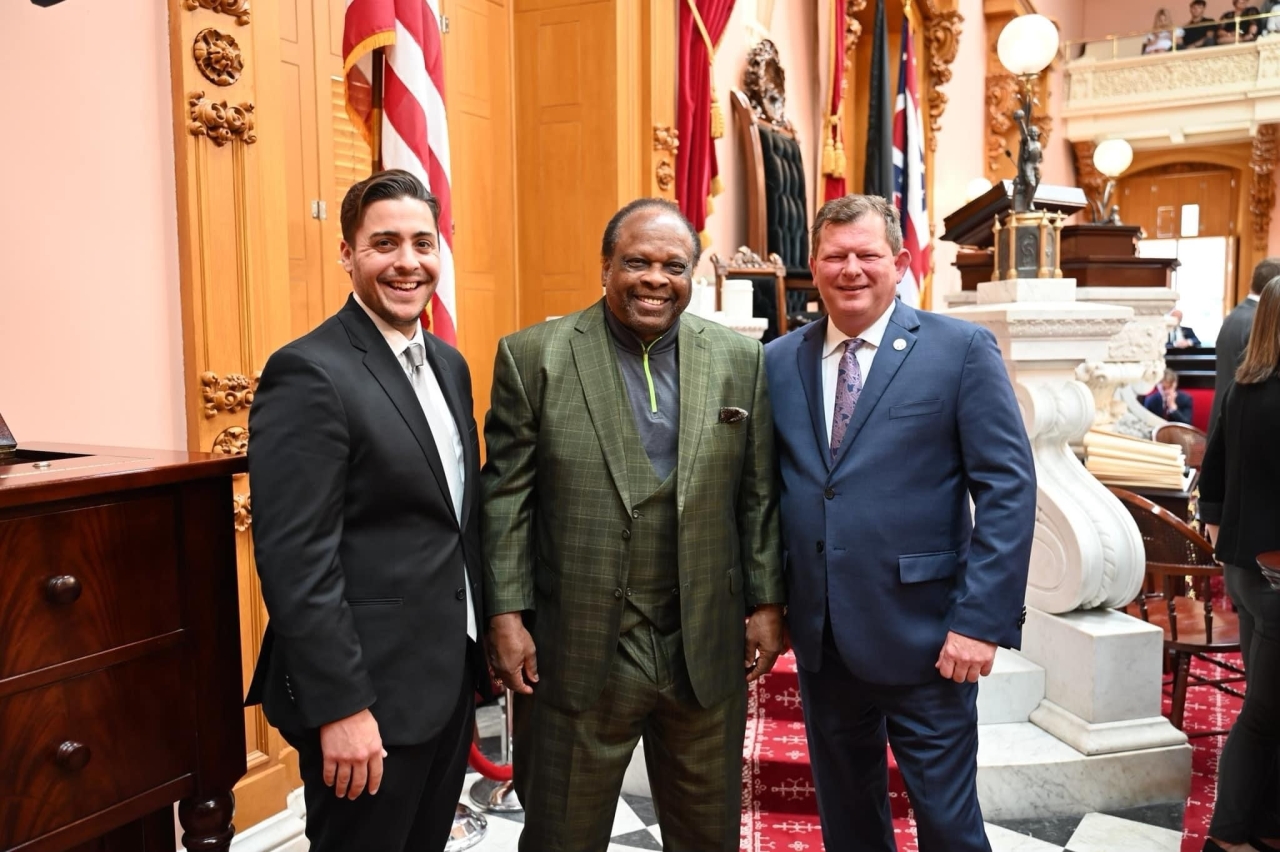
(74, 748)
(82, 581)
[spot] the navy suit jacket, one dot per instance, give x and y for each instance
(882, 537)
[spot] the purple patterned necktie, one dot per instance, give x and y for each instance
(848, 389)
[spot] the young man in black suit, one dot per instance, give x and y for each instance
(1233, 337)
(365, 468)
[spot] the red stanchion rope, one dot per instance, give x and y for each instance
(487, 768)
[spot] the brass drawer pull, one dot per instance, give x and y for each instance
(63, 589)
(73, 755)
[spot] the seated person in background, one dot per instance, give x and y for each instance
(1247, 29)
(1271, 24)
(1168, 402)
(1160, 39)
(1200, 30)
(1227, 33)
(1180, 336)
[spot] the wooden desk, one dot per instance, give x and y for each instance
(120, 684)
(1176, 502)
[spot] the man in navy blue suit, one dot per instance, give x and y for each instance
(888, 421)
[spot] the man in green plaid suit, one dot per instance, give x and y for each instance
(630, 524)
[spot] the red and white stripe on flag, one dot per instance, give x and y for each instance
(415, 135)
(908, 173)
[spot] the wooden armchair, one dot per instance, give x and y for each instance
(1191, 439)
(1193, 627)
(773, 300)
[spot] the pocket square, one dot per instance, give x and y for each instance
(729, 414)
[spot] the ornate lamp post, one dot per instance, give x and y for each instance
(1027, 240)
(1110, 158)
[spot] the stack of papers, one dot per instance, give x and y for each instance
(1123, 461)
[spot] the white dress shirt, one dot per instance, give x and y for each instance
(833, 352)
(444, 429)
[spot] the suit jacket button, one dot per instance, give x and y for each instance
(830, 494)
(628, 593)
(635, 513)
(461, 594)
(617, 593)
(821, 545)
(626, 535)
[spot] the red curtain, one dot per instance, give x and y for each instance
(696, 168)
(833, 159)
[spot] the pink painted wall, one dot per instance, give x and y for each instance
(91, 338)
(1069, 16)
(794, 30)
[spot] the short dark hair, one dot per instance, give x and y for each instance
(1197, 2)
(849, 209)
(383, 186)
(1264, 272)
(610, 240)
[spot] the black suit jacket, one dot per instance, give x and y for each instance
(1240, 477)
(1232, 340)
(358, 549)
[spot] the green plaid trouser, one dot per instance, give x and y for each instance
(569, 766)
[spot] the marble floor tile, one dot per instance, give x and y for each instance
(1004, 840)
(1102, 833)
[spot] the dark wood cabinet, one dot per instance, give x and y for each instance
(120, 676)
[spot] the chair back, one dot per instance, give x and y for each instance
(1191, 439)
(768, 283)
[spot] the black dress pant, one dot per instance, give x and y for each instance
(1247, 803)
(414, 808)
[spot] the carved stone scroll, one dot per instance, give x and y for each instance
(764, 82)
(1262, 189)
(239, 9)
(229, 394)
(218, 57)
(942, 34)
(221, 122)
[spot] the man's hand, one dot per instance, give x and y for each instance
(1211, 533)
(1170, 401)
(1182, 343)
(512, 653)
(764, 640)
(353, 755)
(964, 659)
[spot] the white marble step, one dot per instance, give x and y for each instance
(1024, 772)
(1014, 688)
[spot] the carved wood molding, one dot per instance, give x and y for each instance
(1262, 189)
(665, 138)
(232, 441)
(221, 122)
(1092, 181)
(239, 9)
(228, 394)
(217, 57)
(764, 82)
(942, 40)
(1002, 92)
(852, 32)
(242, 510)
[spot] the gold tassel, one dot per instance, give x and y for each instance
(711, 207)
(829, 157)
(717, 117)
(841, 163)
(717, 186)
(705, 238)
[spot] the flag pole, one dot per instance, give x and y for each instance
(375, 114)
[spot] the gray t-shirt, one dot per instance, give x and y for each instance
(659, 429)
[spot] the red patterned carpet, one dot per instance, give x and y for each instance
(780, 810)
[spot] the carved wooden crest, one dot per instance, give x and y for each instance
(238, 9)
(218, 57)
(764, 82)
(220, 121)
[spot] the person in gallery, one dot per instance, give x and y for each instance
(888, 421)
(1240, 505)
(365, 470)
(630, 528)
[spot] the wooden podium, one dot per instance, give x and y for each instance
(120, 681)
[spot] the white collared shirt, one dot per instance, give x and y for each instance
(444, 429)
(833, 352)
(1254, 296)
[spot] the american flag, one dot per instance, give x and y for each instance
(908, 173)
(414, 134)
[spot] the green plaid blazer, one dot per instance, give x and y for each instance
(557, 506)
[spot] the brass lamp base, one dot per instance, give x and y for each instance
(1028, 245)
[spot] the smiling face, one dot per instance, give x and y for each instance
(647, 280)
(857, 272)
(394, 260)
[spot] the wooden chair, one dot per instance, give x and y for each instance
(783, 306)
(1191, 439)
(1193, 627)
(1270, 565)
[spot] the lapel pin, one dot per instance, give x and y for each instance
(899, 344)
